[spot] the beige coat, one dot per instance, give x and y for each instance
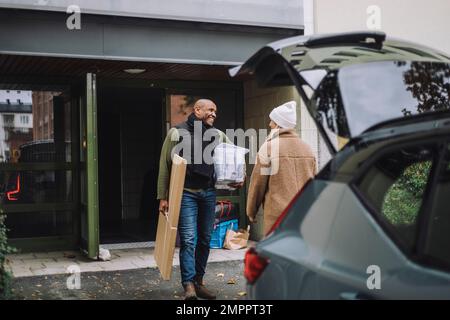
(278, 176)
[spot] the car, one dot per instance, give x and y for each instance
(374, 223)
(33, 186)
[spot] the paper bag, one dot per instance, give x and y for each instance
(235, 240)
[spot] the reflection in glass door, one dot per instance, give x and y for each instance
(36, 172)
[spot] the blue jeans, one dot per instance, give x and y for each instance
(195, 223)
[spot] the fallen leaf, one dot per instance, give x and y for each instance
(176, 297)
(231, 281)
(241, 294)
(221, 275)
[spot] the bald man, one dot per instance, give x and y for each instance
(199, 195)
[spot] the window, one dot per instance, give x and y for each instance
(36, 174)
(395, 186)
(8, 120)
(438, 234)
(28, 134)
(348, 101)
(24, 119)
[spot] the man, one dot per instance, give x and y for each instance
(284, 164)
(199, 195)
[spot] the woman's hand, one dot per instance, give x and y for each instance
(237, 185)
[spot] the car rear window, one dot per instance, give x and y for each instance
(357, 97)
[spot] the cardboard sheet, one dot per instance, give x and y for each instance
(167, 223)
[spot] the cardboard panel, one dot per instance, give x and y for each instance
(165, 247)
(167, 223)
(177, 176)
(159, 243)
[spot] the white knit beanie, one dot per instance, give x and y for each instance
(285, 115)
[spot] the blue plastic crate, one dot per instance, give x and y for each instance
(219, 232)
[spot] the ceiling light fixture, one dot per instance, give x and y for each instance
(134, 71)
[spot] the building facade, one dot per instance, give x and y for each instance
(15, 122)
(107, 81)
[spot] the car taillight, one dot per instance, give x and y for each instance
(285, 211)
(254, 265)
(12, 195)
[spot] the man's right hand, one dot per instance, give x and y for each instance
(251, 219)
(163, 206)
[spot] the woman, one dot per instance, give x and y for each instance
(284, 164)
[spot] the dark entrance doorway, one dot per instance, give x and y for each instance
(130, 130)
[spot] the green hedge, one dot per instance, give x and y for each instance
(5, 276)
(403, 200)
(415, 178)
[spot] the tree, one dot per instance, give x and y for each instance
(429, 84)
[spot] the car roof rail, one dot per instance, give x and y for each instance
(363, 38)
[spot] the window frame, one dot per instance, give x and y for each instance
(415, 253)
(24, 119)
(424, 231)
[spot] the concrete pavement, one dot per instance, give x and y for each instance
(225, 278)
(50, 263)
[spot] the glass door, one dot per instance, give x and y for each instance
(36, 168)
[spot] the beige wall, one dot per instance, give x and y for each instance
(258, 103)
(426, 22)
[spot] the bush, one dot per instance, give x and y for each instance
(403, 199)
(415, 177)
(5, 275)
(401, 206)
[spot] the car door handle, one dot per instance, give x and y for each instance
(354, 296)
